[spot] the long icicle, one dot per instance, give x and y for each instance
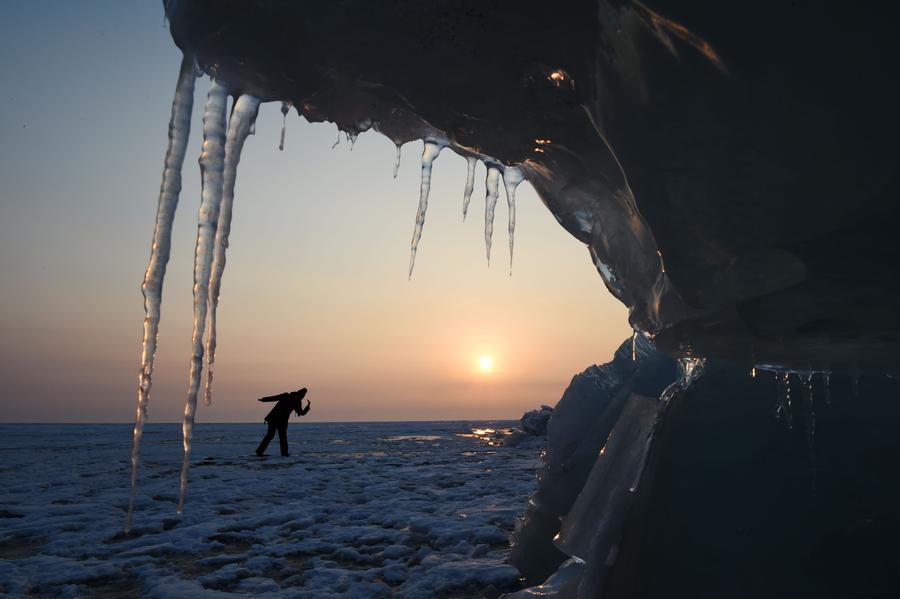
(512, 177)
(429, 152)
(170, 188)
(244, 113)
(492, 186)
(470, 184)
(212, 160)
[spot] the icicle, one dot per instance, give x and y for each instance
(179, 131)
(753, 372)
(429, 152)
(397, 161)
(809, 405)
(212, 163)
(492, 186)
(470, 184)
(512, 177)
(242, 117)
(336, 141)
(634, 346)
(783, 398)
(285, 108)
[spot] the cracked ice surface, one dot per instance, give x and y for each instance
(359, 510)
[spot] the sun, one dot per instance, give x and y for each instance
(485, 364)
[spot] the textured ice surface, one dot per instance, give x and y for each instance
(359, 510)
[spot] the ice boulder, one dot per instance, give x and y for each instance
(535, 421)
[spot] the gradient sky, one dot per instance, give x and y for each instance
(315, 292)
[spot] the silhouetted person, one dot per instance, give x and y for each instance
(277, 418)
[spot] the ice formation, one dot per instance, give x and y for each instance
(212, 166)
(690, 369)
(492, 193)
(397, 160)
(179, 130)
(430, 152)
(732, 284)
(471, 162)
(512, 177)
(285, 108)
(242, 118)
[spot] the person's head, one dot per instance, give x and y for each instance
(301, 393)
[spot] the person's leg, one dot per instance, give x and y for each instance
(282, 439)
(265, 442)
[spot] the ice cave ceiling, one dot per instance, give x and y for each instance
(731, 166)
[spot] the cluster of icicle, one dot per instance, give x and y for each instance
(784, 408)
(512, 176)
(223, 140)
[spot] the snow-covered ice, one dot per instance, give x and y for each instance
(359, 510)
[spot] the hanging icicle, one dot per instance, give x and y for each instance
(243, 115)
(492, 192)
(179, 131)
(285, 108)
(809, 405)
(783, 409)
(212, 164)
(471, 162)
(429, 152)
(397, 161)
(512, 177)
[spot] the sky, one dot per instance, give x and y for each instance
(315, 292)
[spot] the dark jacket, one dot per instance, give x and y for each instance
(287, 402)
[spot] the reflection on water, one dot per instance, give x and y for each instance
(412, 438)
(490, 436)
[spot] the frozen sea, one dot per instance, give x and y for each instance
(415, 509)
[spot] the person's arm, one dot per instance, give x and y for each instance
(303, 411)
(278, 397)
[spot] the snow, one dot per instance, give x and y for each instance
(359, 510)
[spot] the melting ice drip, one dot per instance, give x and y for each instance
(223, 141)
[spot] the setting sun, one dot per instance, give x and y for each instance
(485, 364)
